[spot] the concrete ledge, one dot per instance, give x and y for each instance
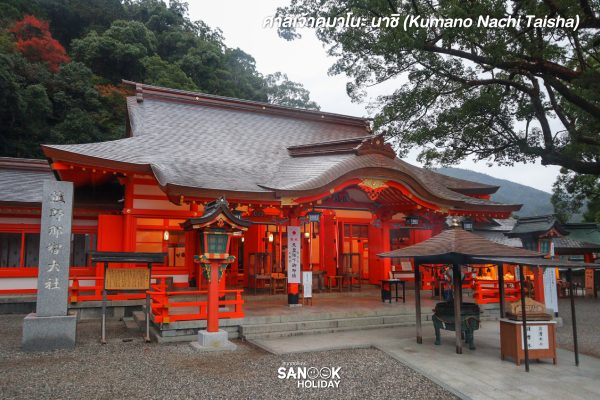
(49, 333)
(213, 341)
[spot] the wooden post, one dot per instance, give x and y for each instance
(501, 288)
(525, 345)
(457, 307)
(104, 299)
(213, 299)
(148, 304)
(573, 319)
(418, 302)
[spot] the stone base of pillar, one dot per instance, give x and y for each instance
(213, 341)
(49, 333)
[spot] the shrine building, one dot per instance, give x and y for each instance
(277, 167)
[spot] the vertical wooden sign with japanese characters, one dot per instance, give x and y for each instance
(293, 271)
(55, 249)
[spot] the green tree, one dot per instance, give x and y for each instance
(503, 94)
(117, 53)
(282, 91)
(72, 19)
(109, 40)
(573, 193)
(162, 73)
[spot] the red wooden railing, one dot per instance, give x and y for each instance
(488, 291)
(164, 304)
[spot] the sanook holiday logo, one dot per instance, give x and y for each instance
(310, 377)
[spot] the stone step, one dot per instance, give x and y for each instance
(167, 334)
(139, 317)
(326, 325)
(130, 323)
(300, 317)
(280, 334)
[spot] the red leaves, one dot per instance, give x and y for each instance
(36, 43)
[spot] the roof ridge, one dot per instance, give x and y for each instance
(30, 164)
(337, 141)
(248, 105)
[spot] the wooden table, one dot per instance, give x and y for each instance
(394, 282)
(541, 340)
(320, 277)
(350, 277)
(265, 278)
(278, 284)
(339, 280)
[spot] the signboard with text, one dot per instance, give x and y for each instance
(550, 292)
(307, 284)
(537, 337)
(293, 271)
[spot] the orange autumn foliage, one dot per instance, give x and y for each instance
(36, 43)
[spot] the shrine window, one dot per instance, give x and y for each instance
(20, 248)
(10, 250)
(82, 245)
(158, 235)
(399, 238)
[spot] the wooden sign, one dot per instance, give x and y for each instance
(127, 279)
(589, 282)
(531, 306)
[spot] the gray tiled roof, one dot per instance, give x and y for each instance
(535, 225)
(567, 242)
(22, 180)
(460, 242)
(499, 237)
(207, 146)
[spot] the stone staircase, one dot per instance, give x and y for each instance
(276, 326)
(286, 325)
(183, 331)
(258, 330)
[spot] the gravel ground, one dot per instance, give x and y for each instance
(127, 368)
(588, 321)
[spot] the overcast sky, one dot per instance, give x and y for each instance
(305, 61)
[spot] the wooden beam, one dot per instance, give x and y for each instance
(573, 319)
(457, 306)
(525, 345)
(501, 288)
(418, 302)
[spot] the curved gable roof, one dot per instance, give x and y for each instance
(193, 142)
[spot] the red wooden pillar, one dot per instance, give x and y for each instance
(213, 299)
(589, 275)
(191, 248)
(376, 245)
(538, 284)
(129, 236)
(417, 236)
(110, 238)
(329, 237)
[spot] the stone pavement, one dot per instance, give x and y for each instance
(478, 374)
